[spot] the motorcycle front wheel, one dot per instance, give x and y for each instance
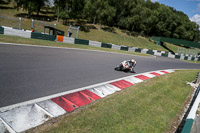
(117, 69)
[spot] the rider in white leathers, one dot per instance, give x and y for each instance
(130, 64)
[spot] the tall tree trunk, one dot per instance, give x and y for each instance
(58, 14)
(94, 20)
(29, 13)
(38, 11)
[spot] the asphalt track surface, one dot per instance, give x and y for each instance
(28, 72)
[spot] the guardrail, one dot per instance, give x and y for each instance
(188, 119)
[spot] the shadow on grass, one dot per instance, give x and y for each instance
(39, 17)
(4, 7)
(3, 2)
(108, 29)
(131, 33)
(162, 44)
(86, 28)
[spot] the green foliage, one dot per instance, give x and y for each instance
(142, 16)
(30, 5)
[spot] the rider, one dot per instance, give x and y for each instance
(132, 64)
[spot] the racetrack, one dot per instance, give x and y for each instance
(29, 72)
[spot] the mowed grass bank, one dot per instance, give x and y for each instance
(87, 31)
(149, 107)
(15, 39)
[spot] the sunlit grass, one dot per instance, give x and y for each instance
(151, 106)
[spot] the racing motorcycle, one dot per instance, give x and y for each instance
(125, 66)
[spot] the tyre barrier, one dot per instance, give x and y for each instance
(188, 119)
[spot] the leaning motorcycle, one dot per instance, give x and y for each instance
(124, 66)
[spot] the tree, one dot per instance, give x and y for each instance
(59, 6)
(100, 11)
(30, 5)
(39, 5)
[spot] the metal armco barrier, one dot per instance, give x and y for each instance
(188, 119)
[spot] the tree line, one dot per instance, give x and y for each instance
(142, 16)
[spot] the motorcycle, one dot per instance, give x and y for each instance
(125, 66)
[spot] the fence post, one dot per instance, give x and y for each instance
(78, 31)
(55, 26)
(32, 23)
(20, 20)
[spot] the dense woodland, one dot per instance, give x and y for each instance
(141, 16)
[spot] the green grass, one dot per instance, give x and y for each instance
(14, 39)
(148, 107)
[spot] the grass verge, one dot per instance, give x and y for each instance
(152, 106)
(14, 39)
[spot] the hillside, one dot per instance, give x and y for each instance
(10, 17)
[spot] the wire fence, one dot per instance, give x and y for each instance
(10, 22)
(194, 52)
(25, 24)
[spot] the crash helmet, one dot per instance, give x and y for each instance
(133, 60)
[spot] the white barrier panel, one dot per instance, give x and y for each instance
(68, 40)
(196, 59)
(24, 117)
(94, 43)
(15, 32)
(104, 90)
(171, 55)
(144, 51)
(182, 57)
(131, 49)
(133, 80)
(52, 108)
(116, 47)
(157, 53)
(189, 58)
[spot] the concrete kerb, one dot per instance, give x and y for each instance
(23, 116)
